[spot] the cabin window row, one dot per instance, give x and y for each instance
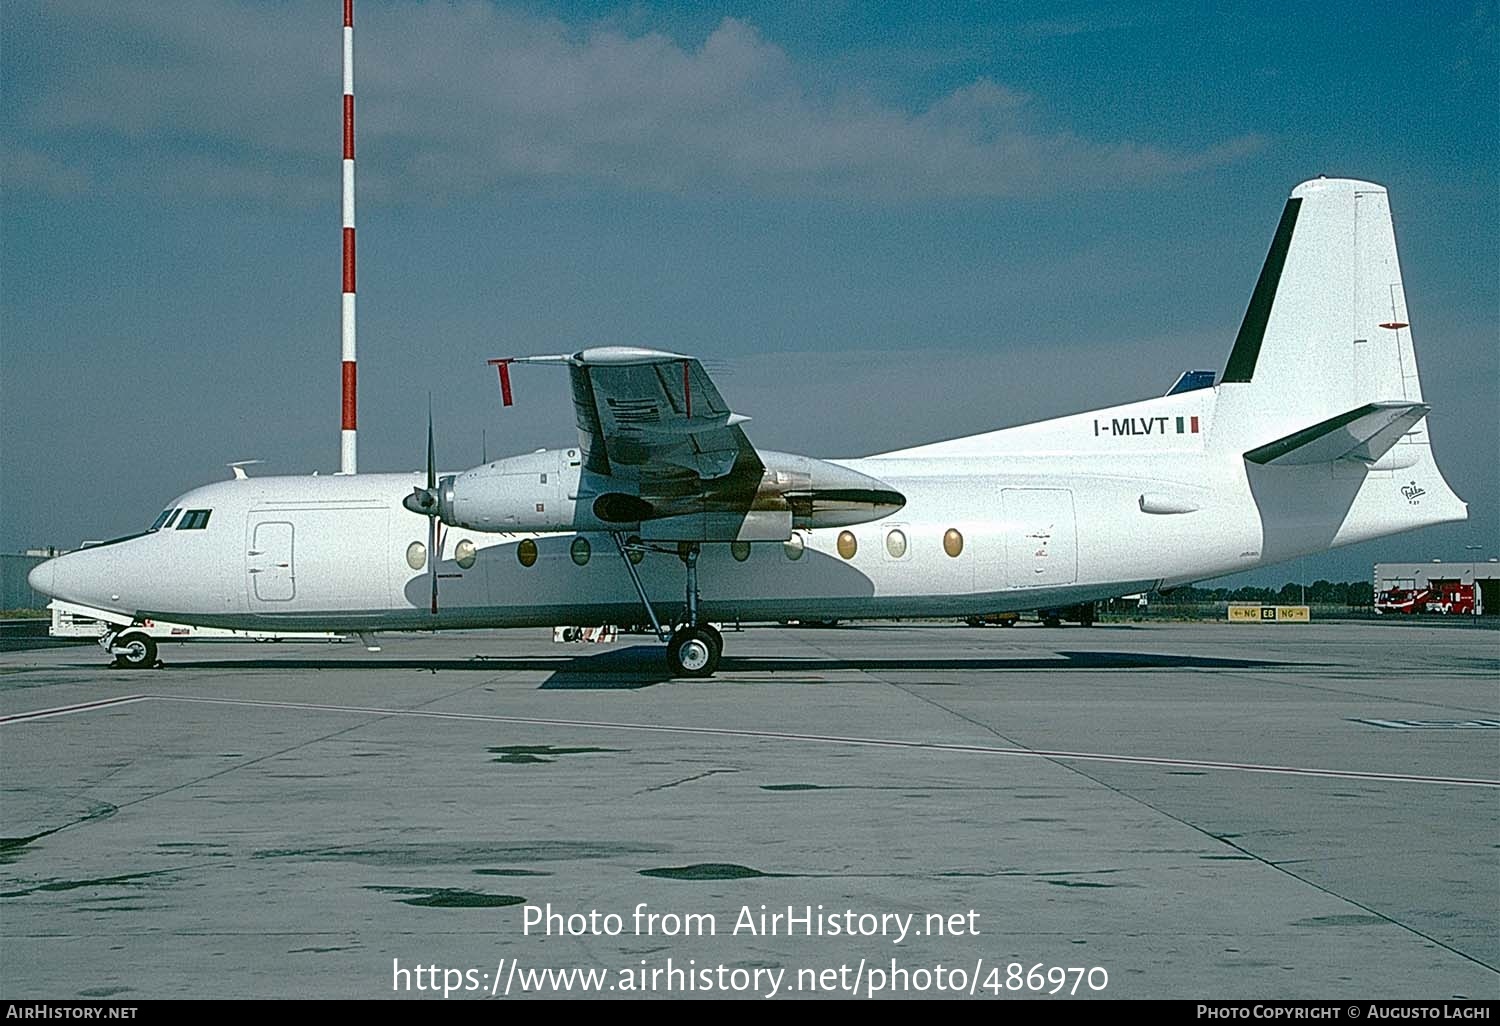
(580, 550)
(464, 554)
(896, 544)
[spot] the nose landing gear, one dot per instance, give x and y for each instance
(132, 650)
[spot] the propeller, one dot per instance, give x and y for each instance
(426, 502)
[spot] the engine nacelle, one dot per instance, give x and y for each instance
(540, 492)
(793, 492)
(822, 494)
(526, 493)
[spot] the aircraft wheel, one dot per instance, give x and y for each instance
(692, 652)
(716, 638)
(135, 651)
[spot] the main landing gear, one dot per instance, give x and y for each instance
(694, 651)
(693, 648)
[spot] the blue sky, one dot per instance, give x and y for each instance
(878, 225)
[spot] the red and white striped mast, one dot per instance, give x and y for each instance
(347, 439)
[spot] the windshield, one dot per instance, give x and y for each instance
(165, 520)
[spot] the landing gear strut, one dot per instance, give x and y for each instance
(693, 648)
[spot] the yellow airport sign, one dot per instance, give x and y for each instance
(1245, 612)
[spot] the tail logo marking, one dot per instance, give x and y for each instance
(1413, 493)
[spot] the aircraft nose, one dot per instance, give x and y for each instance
(89, 577)
(41, 577)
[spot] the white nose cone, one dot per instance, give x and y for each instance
(90, 577)
(41, 577)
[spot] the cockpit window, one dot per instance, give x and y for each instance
(194, 520)
(164, 521)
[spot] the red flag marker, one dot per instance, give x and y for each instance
(503, 366)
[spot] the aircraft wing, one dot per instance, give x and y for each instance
(662, 450)
(653, 422)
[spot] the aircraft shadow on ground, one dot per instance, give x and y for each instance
(641, 666)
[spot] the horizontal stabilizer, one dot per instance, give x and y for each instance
(1364, 434)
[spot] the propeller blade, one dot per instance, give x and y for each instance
(431, 456)
(432, 508)
(432, 559)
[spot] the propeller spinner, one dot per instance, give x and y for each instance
(426, 502)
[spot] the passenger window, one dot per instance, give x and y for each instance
(194, 520)
(165, 520)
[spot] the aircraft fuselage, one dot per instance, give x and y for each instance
(1046, 528)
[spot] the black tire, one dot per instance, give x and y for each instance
(1051, 621)
(1007, 623)
(693, 653)
(715, 637)
(135, 651)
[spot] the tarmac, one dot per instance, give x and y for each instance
(1171, 810)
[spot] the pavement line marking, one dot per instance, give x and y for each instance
(832, 739)
(1431, 724)
(64, 710)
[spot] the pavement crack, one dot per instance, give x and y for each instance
(1403, 699)
(685, 780)
(263, 758)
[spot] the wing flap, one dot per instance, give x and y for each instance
(1363, 434)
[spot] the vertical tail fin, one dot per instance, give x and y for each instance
(1321, 395)
(1327, 329)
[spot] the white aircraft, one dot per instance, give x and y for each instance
(1314, 437)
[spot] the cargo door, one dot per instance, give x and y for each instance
(1041, 545)
(269, 561)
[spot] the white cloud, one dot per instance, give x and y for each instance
(32, 171)
(457, 99)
